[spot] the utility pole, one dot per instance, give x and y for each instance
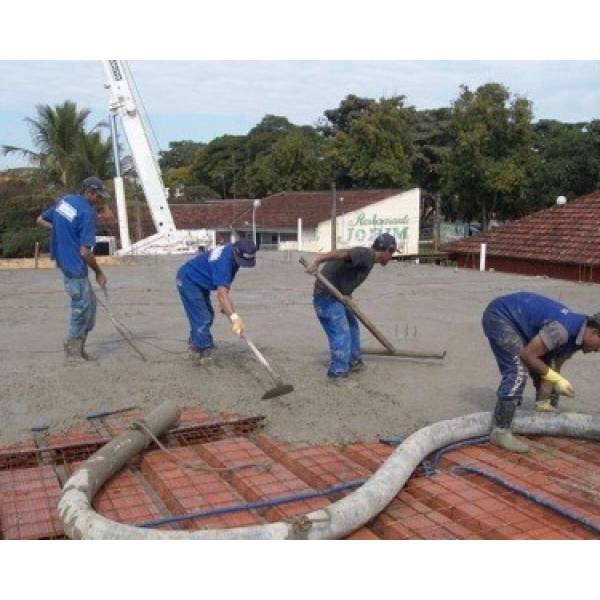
(333, 216)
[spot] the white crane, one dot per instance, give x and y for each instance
(167, 239)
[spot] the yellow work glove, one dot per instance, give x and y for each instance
(237, 325)
(560, 384)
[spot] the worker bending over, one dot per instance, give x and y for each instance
(72, 222)
(346, 270)
(213, 270)
(531, 333)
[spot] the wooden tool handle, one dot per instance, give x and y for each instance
(353, 307)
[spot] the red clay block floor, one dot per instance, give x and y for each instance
(444, 503)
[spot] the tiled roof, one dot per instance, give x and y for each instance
(280, 211)
(442, 503)
(562, 234)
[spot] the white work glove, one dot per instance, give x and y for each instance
(237, 325)
(560, 384)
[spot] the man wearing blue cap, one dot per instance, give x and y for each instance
(213, 270)
(72, 222)
(529, 333)
(346, 270)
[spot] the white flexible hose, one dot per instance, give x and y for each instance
(338, 520)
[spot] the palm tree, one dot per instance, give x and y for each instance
(93, 157)
(64, 150)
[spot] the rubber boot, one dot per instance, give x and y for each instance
(501, 434)
(73, 351)
(86, 355)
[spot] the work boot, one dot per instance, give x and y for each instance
(357, 365)
(501, 434)
(73, 351)
(545, 405)
(200, 357)
(85, 354)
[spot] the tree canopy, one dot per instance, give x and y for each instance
(491, 152)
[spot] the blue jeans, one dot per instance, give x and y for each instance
(506, 343)
(343, 333)
(199, 311)
(83, 306)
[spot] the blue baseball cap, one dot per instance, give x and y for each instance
(385, 241)
(96, 185)
(244, 252)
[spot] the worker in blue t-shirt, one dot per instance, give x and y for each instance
(346, 270)
(72, 222)
(531, 333)
(213, 270)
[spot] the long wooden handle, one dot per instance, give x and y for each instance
(261, 358)
(353, 307)
(403, 353)
(121, 329)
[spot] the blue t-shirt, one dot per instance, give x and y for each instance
(212, 269)
(561, 329)
(73, 225)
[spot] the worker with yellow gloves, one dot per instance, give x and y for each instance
(213, 270)
(529, 333)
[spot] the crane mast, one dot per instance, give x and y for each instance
(123, 105)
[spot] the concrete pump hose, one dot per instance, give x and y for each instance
(337, 520)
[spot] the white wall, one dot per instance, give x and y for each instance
(397, 215)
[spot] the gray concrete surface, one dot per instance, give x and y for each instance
(416, 306)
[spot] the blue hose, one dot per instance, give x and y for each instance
(223, 510)
(595, 527)
(430, 467)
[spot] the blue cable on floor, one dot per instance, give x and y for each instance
(429, 468)
(223, 510)
(595, 527)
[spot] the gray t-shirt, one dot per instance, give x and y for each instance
(555, 334)
(347, 275)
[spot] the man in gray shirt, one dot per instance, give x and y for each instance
(346, 270)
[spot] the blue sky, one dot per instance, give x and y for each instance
(202, 99)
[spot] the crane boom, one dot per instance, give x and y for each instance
(123, 104)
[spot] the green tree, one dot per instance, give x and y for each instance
(433, 139)
(94, 156)
(491, 153)
(261, 138)
(341, 118)
(377, 150)
(24, 195)
(294, 163)
(65, 152)
(568, 161)
(220, 165)
(180, 154)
